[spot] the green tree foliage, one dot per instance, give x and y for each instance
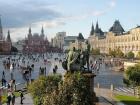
(96, 51)
(72, 91)
(138, 55)
(112, 53)
(116, 53)
(133, 74)
(51, 90)
(132, 77)
(130, 55)
(42, 86)
(119, 53)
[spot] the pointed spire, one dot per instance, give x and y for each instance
(97, 26)
(42, 30)
(42, 33)
(1, 32)
(92, 29)
(30, 31)
(8, 37)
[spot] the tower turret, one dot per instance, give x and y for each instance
(8, 37)
(42, 33)
(30, 33)
(42, 30)
(97, 27)
(98, 31)
(1, 32)
(92, 30)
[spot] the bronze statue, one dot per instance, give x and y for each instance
(75, 60)
(87, 54)
(71, 59)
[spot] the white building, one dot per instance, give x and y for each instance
(67, 41)
(58, 40)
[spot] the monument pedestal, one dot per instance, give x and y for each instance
(90, 80)
(90, 83)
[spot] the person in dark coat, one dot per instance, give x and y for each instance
(21, 97)
(8, 99)
(13, 99)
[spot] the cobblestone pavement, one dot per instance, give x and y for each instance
(27, 101)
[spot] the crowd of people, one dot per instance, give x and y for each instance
(96, 63)
(25, 65)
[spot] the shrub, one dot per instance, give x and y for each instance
(72, 91)
(42, 86)
(130, 55)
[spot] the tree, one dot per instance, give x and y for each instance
(37, 90)
(130, 55)
(138, 55)
(132, 76)
(116, 53)
(96, 51)
(112, 52)
(42, 86)
(52, 90)
(72, 91)
(119, 53)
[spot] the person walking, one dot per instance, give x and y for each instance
(8, 99)
(11, 71)
(3, 74)
(21, 97)
(3, 78)
(13, 99)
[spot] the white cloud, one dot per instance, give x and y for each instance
(22, 32)
(112, 3)
(39, 14)
(49, 24)
(20, 13)
(95, 12)
(110, 6)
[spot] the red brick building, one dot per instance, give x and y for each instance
(36, 43)
(5, 44)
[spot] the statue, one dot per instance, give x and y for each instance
(75, 61)
(87, 54)
(71, 59)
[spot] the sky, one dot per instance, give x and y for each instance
(71, 16)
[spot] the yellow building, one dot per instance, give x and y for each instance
(115, 38)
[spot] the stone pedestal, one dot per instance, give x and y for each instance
(90, 80)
